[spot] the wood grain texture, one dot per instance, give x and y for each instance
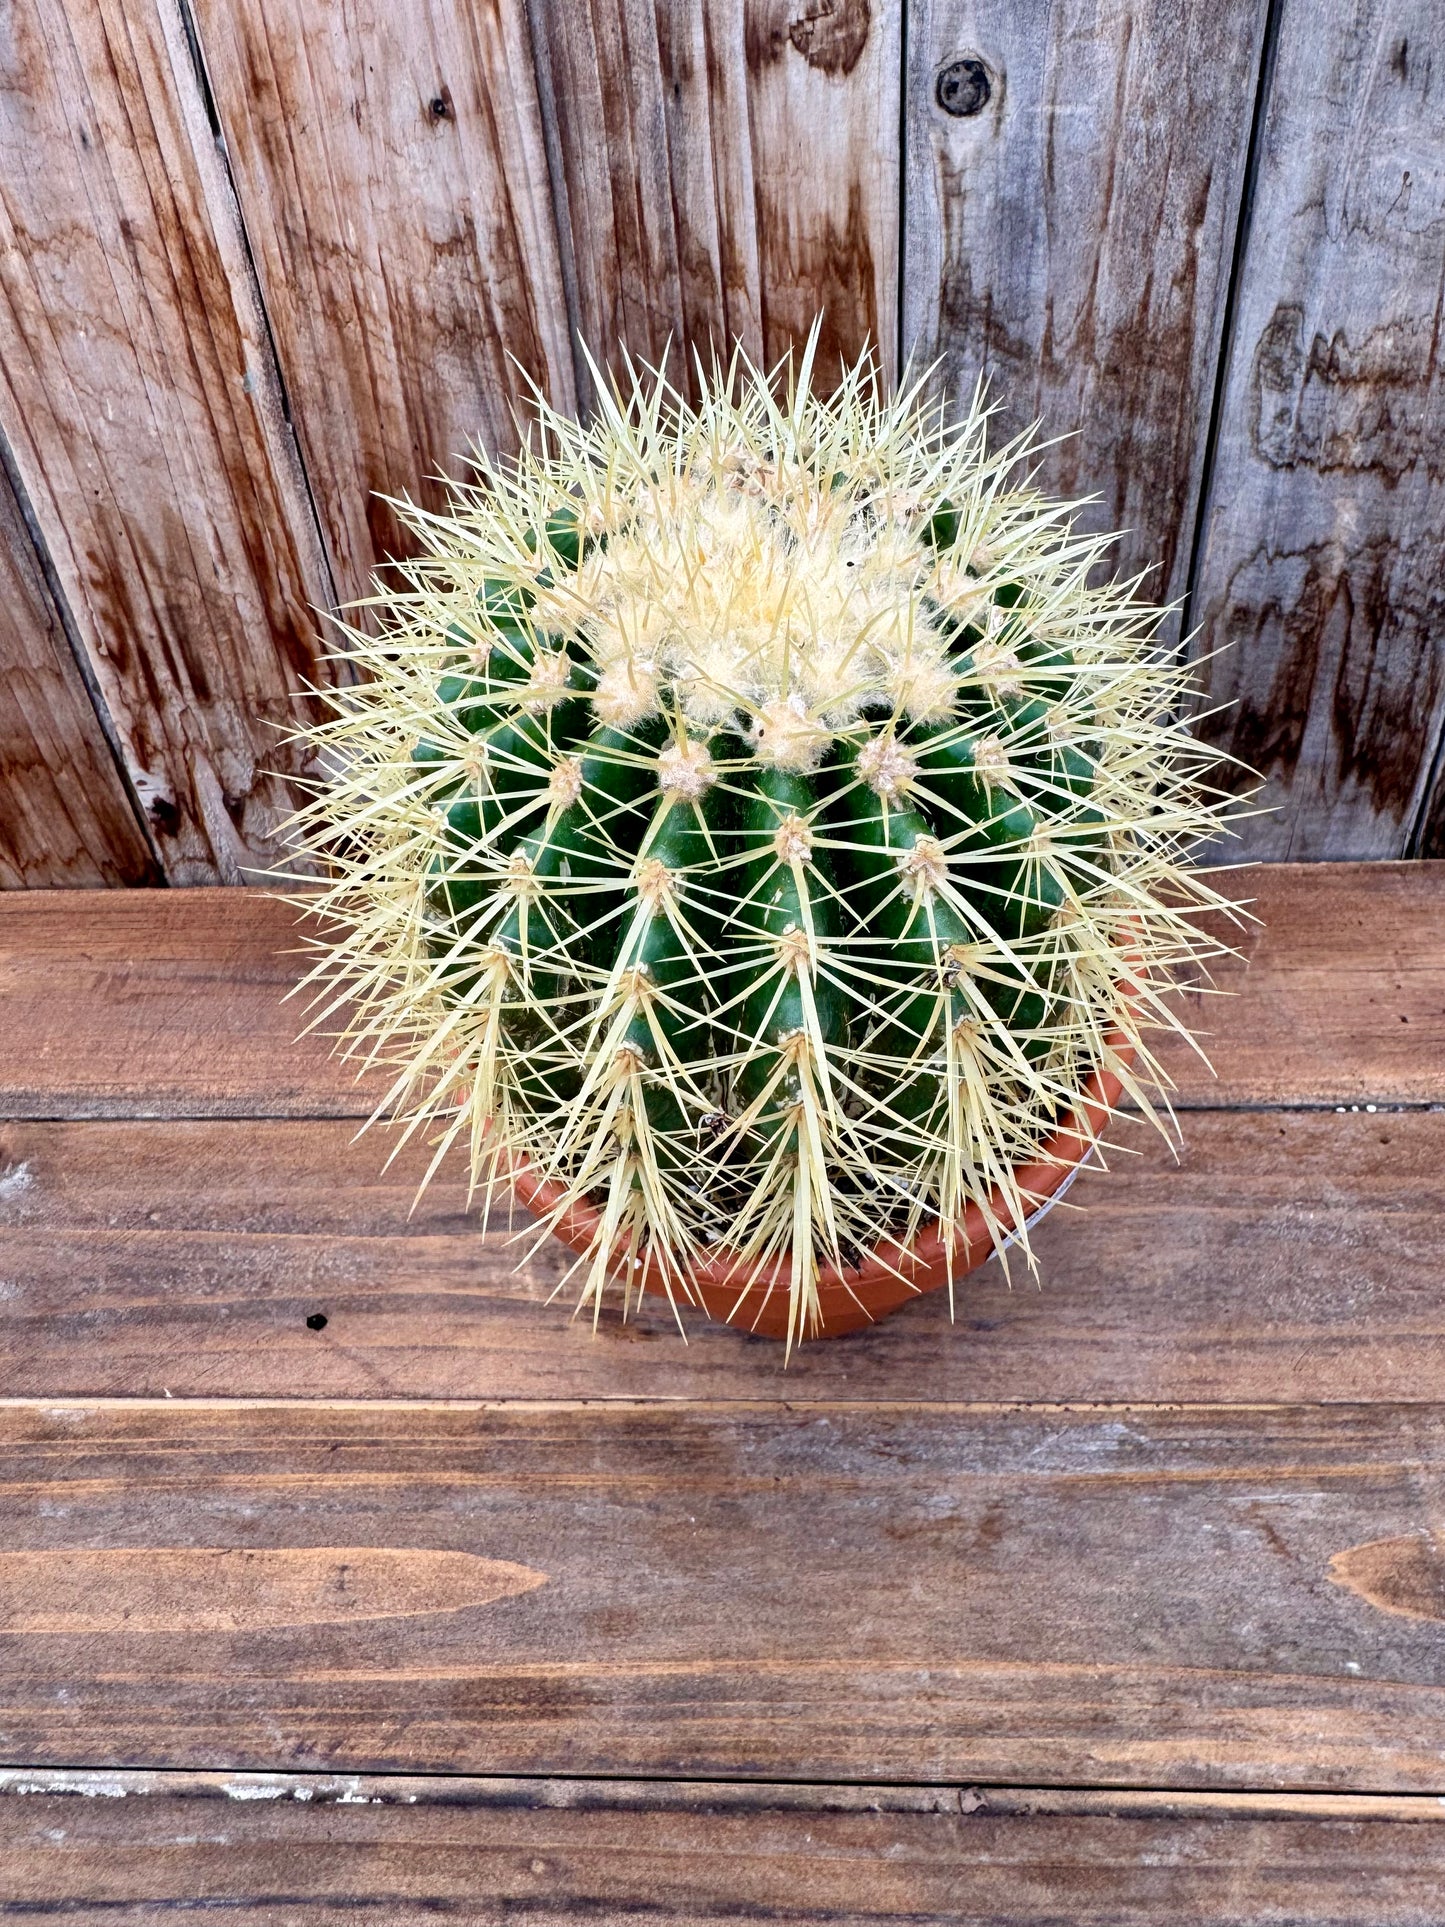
(160, 1004)
(291, 1850)
(1326, 510)
(1137, 1595)
(139, 396)
(1287, 1256)
(726, 169)
(1070, 242)
(391, 170)
(170, 1005)
(65, 815)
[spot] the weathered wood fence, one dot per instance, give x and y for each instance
(260, 259)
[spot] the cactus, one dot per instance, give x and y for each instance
(753, 819)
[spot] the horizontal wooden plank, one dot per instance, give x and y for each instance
(1292, 1255)
(170, 1005)
(1148, 1596)
(66, 819)
(159, 1003)
(293, 1850)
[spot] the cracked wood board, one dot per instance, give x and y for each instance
(65, 816)
(1288, 1255)
(170, 1004)
(393, 179)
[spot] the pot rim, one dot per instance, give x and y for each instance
(858, 1295)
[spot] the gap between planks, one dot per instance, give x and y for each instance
(632, 1792)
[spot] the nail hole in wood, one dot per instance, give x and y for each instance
(316, 1322)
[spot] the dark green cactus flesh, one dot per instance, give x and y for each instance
(756, 821)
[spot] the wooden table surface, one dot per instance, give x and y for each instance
(1120, 1599)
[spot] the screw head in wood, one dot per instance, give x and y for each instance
(963, 87)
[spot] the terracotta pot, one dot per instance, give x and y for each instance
(860, 1295)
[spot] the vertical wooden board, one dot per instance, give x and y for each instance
(1321, 543)
(726, 170)
(65, 817)
(140, 399)
(1069, 228)
(391, 170)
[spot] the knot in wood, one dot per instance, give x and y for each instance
(963, 87)
(831, 34)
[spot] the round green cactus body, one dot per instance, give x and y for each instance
(754, 818)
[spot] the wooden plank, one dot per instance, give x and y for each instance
(1287, 1256)
(139, 395)
(393, 179)
(1069, 240)
(1338, 997)
(1185, 1596)
(293, 1850)
(726, 169)
(162, 1006)
(65, 816)
(164, 1003)
(1327, 507)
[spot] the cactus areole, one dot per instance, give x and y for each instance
(756, 840)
